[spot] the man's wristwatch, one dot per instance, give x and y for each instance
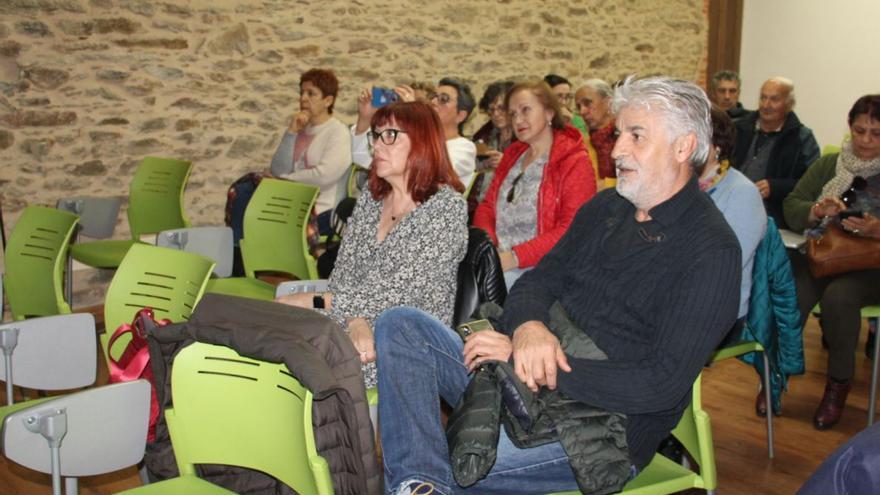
(318, 301)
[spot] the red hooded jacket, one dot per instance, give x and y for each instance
(568, 183)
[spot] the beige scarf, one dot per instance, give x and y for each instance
(848, 167)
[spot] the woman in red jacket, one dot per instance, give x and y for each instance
(540, 183)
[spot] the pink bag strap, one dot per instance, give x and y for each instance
(119, 332)
(135, 368)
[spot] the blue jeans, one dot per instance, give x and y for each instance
(420, 361)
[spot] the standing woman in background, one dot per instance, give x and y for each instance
(540, 183)
(316, 147)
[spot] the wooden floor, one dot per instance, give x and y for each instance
(728, 394)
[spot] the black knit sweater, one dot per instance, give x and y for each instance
(657, 297)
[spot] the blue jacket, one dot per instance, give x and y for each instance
(774, 318)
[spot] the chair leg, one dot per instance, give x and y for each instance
(71, 486)
(872, 400)
(769, 415)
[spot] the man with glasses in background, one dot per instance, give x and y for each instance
(453, 102)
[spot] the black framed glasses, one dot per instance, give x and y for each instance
(851, 195)
(387, 136)
(511, 194)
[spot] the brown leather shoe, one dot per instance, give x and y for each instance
(833, 402)
(761, 404)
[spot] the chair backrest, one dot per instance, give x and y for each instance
(275, 225)
(694, 431)
(470, 185)
(211, 242)
(35, 260)
(97, 216)
(480, 277)
(53, 352)
(167, 280)
(106, 430)
(156, 196)
(830, 148)
(237, 411)
(357, 178)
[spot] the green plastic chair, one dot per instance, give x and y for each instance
(873, 313)
(356, 178)
(663, 476)
(830, 148)
(745, 347)
(275, 225)
(35, 259)
(242, 412)
(470, 186)
(155, 203)
(169, 281)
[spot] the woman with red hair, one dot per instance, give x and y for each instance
(405, 239)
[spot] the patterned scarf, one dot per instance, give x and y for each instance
(848, 167)
(711, 178)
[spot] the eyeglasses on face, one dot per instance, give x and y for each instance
(387, 136)
(511, 194)
(566, 98)
(443, 98)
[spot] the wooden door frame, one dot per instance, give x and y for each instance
(725, 36)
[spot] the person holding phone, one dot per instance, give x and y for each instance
(316, 147)
(452, 101)
(405, 238)
(541, 181)
(852, 175)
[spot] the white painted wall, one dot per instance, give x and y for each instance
(830, 49)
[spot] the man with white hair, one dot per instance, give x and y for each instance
(648, 275)
(773, 147)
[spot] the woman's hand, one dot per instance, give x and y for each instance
(508, 260)
(869, 226)
(493, 158)
(406, 93)
(487, 345)
(300, 299)
(361, 336)
(365, 111)
(299, 121)
(537, 355)
(826, 207)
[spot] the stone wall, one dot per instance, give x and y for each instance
(89, 87)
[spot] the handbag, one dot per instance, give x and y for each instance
(836, 251)
(134, 363)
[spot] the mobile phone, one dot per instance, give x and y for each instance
(383, 96)
(471, 327)
(851, 213)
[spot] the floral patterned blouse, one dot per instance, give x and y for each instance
(416, 265)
